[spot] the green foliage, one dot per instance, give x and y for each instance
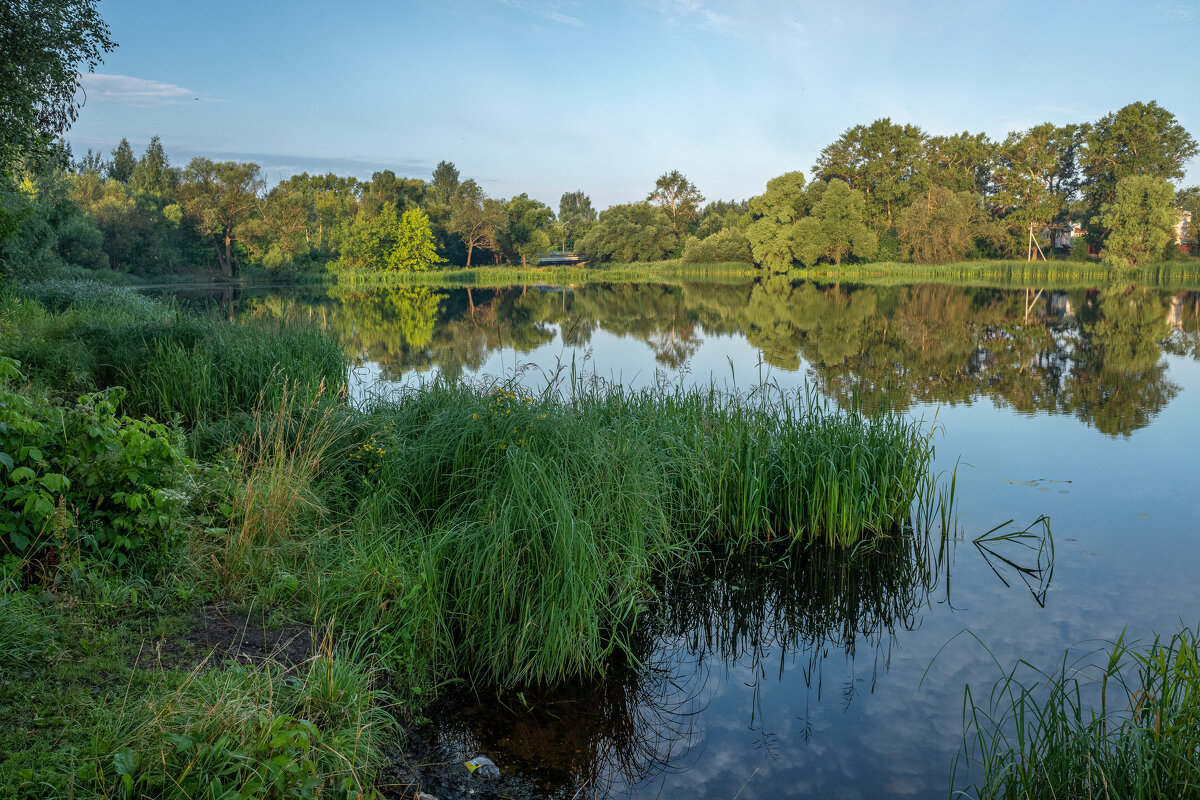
(575, 213)
(388, 242)
(120, 169)
(82, 466)
(885, 161)
(677, 196)
(1122, 721)
(44, 44)
(843, 234)
(1139, 139)
(942, 226)
(221, 196)
(1036, 175)
(776, 214)
(525, 230)
(1140, 221)
(727, 245)
(633, 232)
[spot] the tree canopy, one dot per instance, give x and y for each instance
(44, 45)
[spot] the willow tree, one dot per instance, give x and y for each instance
(774, 237)
(1140, 221)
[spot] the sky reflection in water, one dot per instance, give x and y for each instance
(1081, 405)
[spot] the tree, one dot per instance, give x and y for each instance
(525, 231)
(678, 196)
(221, 196)
(43, 46)
(839, 213)
(575, 214)
(942, 226)
(1036, 176)
(153, 172)
(884, 161)
(1189, 200)
(776, 214)
(628, 233)
(1139, 139)
(473, 217)
(444, 186)
(389, 241)
(386, 187)
(961, 163)
(123, 162)
(1140, 221)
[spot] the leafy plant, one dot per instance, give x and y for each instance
(82, 468)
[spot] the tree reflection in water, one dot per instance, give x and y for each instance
(1095, 354)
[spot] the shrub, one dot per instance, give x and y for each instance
(82, 468)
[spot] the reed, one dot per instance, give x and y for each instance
(81, 336)
(1119, 721)
(539, 524)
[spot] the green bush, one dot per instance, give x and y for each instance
(82, 469)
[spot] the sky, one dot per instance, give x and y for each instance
(549, 96)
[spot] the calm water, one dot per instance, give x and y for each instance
(823, 678)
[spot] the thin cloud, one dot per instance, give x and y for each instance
(565, 19)
(1175, 11)
(132, 91)
(694, 13)
(544, 10)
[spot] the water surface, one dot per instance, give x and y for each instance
(828, 676)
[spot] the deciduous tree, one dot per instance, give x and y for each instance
(389, 241)
(44, 45)
(679, 197)
(1140, 221)
(1139, 139)
(474, 218)
(942, 226)
(221, 196)
(884, 161)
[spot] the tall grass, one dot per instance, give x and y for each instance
(539, 525)
(1119, 722)
(247, 732)
(502, 276)
(1177, 275)
(81, 336)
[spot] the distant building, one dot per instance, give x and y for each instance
(1062, 237)
(557, 258)
(1183, 227)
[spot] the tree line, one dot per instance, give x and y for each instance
(881, 192)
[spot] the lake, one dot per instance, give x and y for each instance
(1075, 413)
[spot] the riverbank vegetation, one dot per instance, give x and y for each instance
(167, 469)
(880, 195)
(1121, 720)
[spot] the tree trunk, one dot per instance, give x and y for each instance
(227, 263)
(470, 247)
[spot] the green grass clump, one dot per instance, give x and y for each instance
(1120, 722)
(248, 732)
(534, 528)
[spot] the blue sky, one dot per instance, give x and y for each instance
(548, 96)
